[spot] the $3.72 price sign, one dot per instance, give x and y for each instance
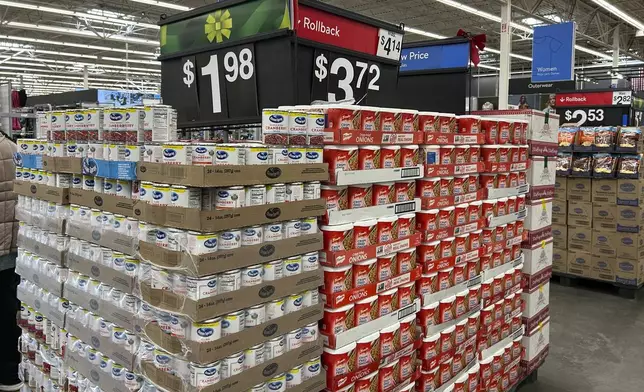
(214, 86)
(339, 77)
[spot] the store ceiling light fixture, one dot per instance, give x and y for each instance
(620, 14)
(90, 65)
(92, 16)
(76, 45)
(515, 25)
(83, 33)
(163, 4)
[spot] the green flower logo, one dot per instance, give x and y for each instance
(218, 26)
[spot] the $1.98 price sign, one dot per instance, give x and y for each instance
(213, 86)
(339, 77)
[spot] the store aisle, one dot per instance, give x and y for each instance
(596, 342)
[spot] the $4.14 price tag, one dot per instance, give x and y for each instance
(389, 44)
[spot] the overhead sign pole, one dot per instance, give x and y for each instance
(506, 47)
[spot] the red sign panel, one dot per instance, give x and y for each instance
(604, 98)
(335, 30)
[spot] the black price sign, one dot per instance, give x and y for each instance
(594, 116)
(213, 86)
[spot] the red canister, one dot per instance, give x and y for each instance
(489, 127)
(427, 220)
(447, 186)
(462, 154)
(504, 131)
(502, 180)
(428, 187)
(383, 193)
(513, 180)
(487, 180)
(475, 153)
(504, 154)
(490, 153)
(447, 155)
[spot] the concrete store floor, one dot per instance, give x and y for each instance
(596, 342)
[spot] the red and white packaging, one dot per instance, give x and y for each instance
(427, 220)
(338, 237)
(406, 294)
(387, 376)
(406, 260)
(364, 272)
(462, 154)
(447, 339)
(408, 330)
(490, 153)
(447, 186)
(338, 320)
(387, 302)
(337, 279)
(369, 119)
(368, 157)
(406, 368)
(337, 197)
(448, 123)
(504, 131)
(368, 350)
(429, 252)
(447, 309)
(445, 279)
(366, 310)
(447, 247)
(343, 117)
(387, 229)
(368, 383)
(386, 266)
(383, 193)
(446, 217)
(405, 190)
(340, 158)
(460, 214)
(489, 127)
(429, 315)
(469, 124)
(364, 233)
(489, 208)
(408, 120)
(360, 196)
(474, 210)
(389, 156)
(488, 180)
(475, 153)
(447, 155)
(409, 155)
(428, 187)
(427, 284)
(387, 120)
(341, 361)
(406, 225)
(429, 122)
(389, 340)
(429, 380)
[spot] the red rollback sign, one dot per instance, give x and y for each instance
(320, 26)
(585, 99)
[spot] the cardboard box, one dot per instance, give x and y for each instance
(62, 164)
(603, 268)
(629, 218)
(537, 257)
(225, 260)
(559, 211)
(538, 214)
(40, 279)
(34, 218)
(40, 191)
(224, 303)
(604, 216)
(603, 243)
(53, 313)
(103, 308)
(228, 345)
(630, 191)
(109, 239)
(579, 189)
(560, 236)
(604, 191)
(247, 379)
(110, 203)
(531, 237)
(580, 213)
(535, 341)
(103, 380)
(561, 188)
(542, 171)
(559, 260)
(580, 238)
(52, 254)
(228, 175)
(116, 352)
(210, 221)
(536, 300)
(629, 272)
(579, 263)
(102, 273)
(628, 245)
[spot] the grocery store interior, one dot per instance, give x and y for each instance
(321, 195)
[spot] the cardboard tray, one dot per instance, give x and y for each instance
(91, 372)
(43, 192)
(105, 309)
(494, 221)
(346, 257)
(210, 221)
(54, 225)
(354, 177)
(225, 260)
(110, 203)
(54, 255)
(109, 239)
(249, 378)
(213, 351)
(116, 352)
(52, 313)
(102, 273)
(228, 175)
(229, 302)
(62, 164)
(53, 286)
(352, 215)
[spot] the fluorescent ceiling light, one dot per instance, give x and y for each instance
(76, 45)
(93, 16)
(153, 62)
(620, 14)
(518, 56)
(37, 74)
(515, 25)
(538, 22)
(83, 33)
(80, 63)
(163, 4)
(489, 67)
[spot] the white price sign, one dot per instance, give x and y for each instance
(389, 44)
(622, 98)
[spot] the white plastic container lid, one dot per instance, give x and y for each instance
(333, 187)
(474, 369)
(391, 328)
(428, 113)
(408, 319)
(342, 350)
(469, 116)
(391, 218)
(366, 222)
(450, 208)
(339, 310)
(447, 114)
(389, 292)
(448, 330)
(340, 147)
(391, 147)
(369, 147)
(433, 305)
(342, 268)
(374, 336)
(448, 299)
(368, 300)
(342, 227)
(365, 262)
(432, 338)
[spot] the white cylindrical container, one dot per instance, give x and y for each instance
(255, 315)
(275, 309)
(252, 275)
(233, 323)
(252, 235)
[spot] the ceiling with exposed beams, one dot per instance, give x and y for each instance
(118, 39)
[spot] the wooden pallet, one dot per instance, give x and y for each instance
(624, 291)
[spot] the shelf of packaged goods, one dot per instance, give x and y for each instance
(433, 363)
(448, 386)
(117, 352)
(440, 234)
(346, 257)
(335, 341)
(356, 177)
(497, 193)
(105, 381)
(502, 269)
(496, 325)
(440, 295)
(350, 216)
(347, 136)
(488, 352)
(496, 298)
(506, 244)
(103, 308)
(117, 279)
(336, 300)
(453, 170)
(429, 203)
(447, 262)
(492, 167)
(434, 329)
(405, 385)
(341, 381)
(63, 164)
(51, 312)
(53, 194)
(55, 225)
(117, 241)
(52, 254)
(454, 138)
(494, 221)
(40, 279)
